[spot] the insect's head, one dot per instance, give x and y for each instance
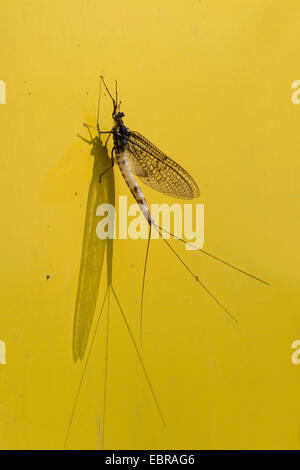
(118, 116)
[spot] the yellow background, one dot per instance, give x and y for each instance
(209, 82)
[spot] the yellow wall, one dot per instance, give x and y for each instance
(209, 82)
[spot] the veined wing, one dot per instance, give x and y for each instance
(157, 170)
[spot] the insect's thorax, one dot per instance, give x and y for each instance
(121, 134)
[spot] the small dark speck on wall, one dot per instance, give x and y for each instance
(75, 194)
(47, 277)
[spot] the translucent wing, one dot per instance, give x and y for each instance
(157, 170)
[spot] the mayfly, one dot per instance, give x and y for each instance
(137, 156)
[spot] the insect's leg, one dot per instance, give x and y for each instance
(106, 142)
(93, 127)
(112, 153)
(107, 169)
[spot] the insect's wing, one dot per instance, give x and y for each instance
(157, 170)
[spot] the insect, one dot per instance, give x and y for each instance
(137, 156)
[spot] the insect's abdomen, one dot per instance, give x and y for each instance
(121, 159)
